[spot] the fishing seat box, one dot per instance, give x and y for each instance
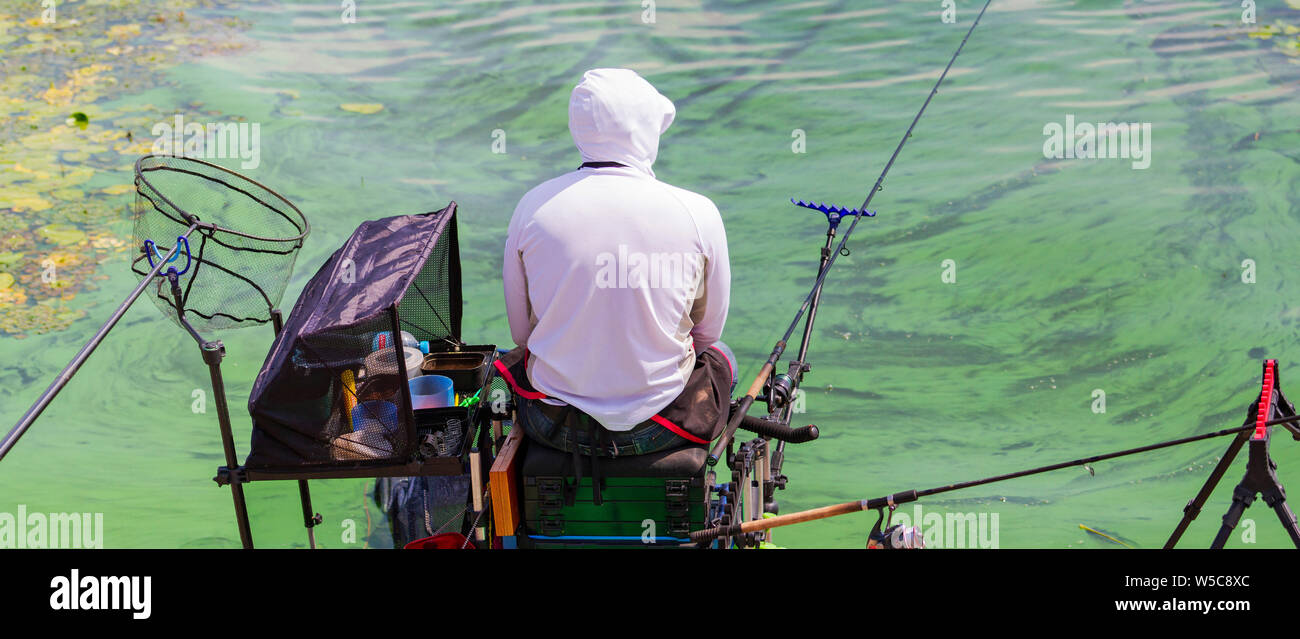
(665, 487)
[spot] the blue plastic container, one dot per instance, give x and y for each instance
(432, 391)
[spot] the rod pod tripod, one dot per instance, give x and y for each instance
(1260, 478)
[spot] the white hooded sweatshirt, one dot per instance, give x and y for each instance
(613, 279)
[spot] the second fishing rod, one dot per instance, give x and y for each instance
(814, 296)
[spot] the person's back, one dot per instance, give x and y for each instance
(615, 281)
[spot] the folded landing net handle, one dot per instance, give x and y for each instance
(709, 534)
(779, 431)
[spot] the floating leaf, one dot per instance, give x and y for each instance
(19, 168)
(62, 233)
(118, 189)
(9, 259)
(6, 280)
(12, 296)
(79, 120)
(34, 203)
(123, 31)
(69, 195)
(366, 109)
(1263, 33)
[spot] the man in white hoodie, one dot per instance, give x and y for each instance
(616, 288)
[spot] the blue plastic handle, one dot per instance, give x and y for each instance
(151, 251)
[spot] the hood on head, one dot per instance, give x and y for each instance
(616, 116)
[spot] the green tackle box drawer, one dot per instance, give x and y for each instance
(676, 506)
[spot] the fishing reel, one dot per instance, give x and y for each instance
(780, 388)
(780, 391)
(894, 537)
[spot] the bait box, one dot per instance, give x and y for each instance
(467, 368)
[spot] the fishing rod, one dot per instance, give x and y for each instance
(890, 501)
(71, 369)
(796, 367)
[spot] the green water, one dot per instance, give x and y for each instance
(1071, 275)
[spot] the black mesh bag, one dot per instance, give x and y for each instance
(234, 267)
(333, 391)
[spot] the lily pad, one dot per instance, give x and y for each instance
(118, 189)
(79, 120)
(365, 109)
(124, 31)
(62, 234)
(6, 280)
(22, 204)
(69, 195)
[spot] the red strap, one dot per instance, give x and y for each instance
(677, 430)
(1266, 399)
(510, 379)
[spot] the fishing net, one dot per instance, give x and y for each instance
(234, 267)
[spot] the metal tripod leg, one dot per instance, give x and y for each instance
(1260, 479)
(212, 354)
(309, 519)
(1276, 499)
(1194, 506)
(1242, 497)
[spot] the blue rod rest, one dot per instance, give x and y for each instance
(833, 213)
(151, 251)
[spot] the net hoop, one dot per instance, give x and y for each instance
(246, 238)
(140, 170)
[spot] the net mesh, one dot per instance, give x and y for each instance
(335, 391)
(241, 254)
(430, 309)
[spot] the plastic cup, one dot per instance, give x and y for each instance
(432, 391)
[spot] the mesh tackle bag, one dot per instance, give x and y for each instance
(234, 266)
(333, 391)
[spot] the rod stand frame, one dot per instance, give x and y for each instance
(1260, 478)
